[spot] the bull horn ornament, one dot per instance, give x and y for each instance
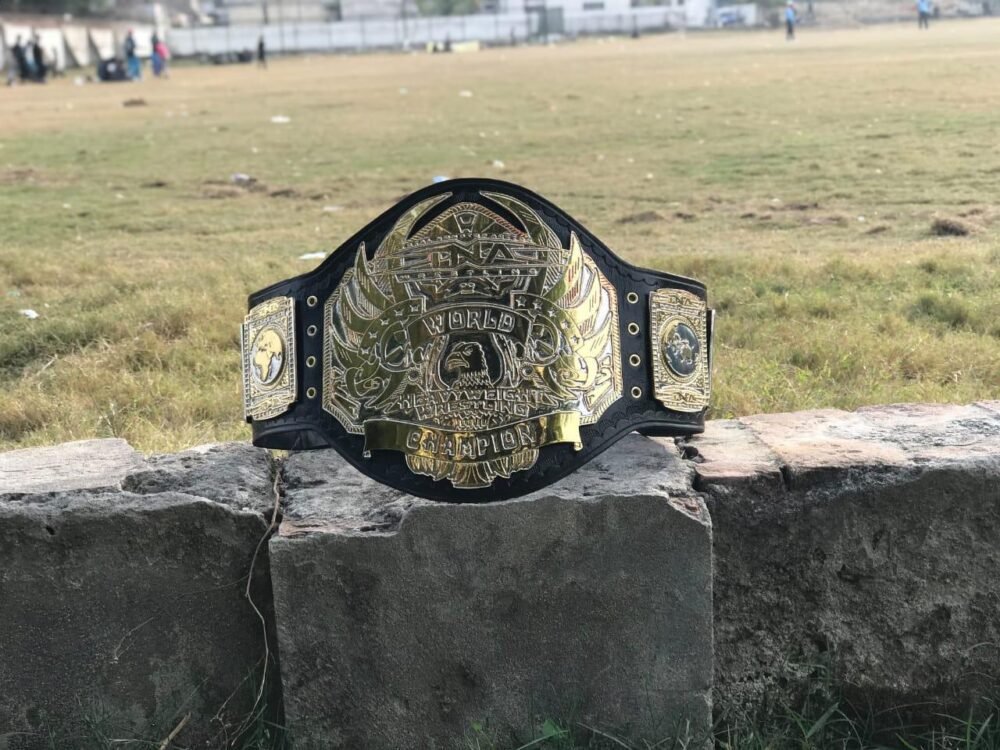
(474, 343)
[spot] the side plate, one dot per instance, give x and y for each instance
(270, 384)
(680, 353)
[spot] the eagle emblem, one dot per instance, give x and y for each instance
(471, 342)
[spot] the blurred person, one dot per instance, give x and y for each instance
(131, 58)
(20, 53)
(157, 61)
(161, 54)
(790, 21)
(261, 53)
(923, 14)
(38, 56)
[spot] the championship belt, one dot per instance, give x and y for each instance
(474, 343)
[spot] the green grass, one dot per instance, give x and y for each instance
(92, 726)
(800, 181)
(822, 722)
(815, 726)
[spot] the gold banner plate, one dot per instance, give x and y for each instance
(680, 354)
(268, 346)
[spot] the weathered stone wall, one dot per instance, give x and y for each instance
(865, 545)
(122, 580)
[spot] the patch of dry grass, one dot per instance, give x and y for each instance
(799, 181)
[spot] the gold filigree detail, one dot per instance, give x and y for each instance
(472, 342)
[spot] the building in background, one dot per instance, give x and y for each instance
(351, 10)
(266, 12)
(263, 12)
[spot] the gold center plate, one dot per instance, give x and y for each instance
(470, 344)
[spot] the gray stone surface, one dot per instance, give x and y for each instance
(234, 474)
(124, 610)
(866, 544)
(401, 622)
(82, 465)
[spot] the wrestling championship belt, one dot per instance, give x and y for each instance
(474, 343)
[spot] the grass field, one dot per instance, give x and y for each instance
(800, 181)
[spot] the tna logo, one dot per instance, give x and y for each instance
(481, 254)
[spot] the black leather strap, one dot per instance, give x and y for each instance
(304, 423)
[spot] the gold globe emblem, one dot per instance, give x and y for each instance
(268, 356)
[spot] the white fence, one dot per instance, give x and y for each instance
(79, 45)
(413, 32)
(652, 18)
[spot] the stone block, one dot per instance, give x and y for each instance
(81, 465)
(727, 454)
(122, 588)
(876, 559)
(401, 621)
